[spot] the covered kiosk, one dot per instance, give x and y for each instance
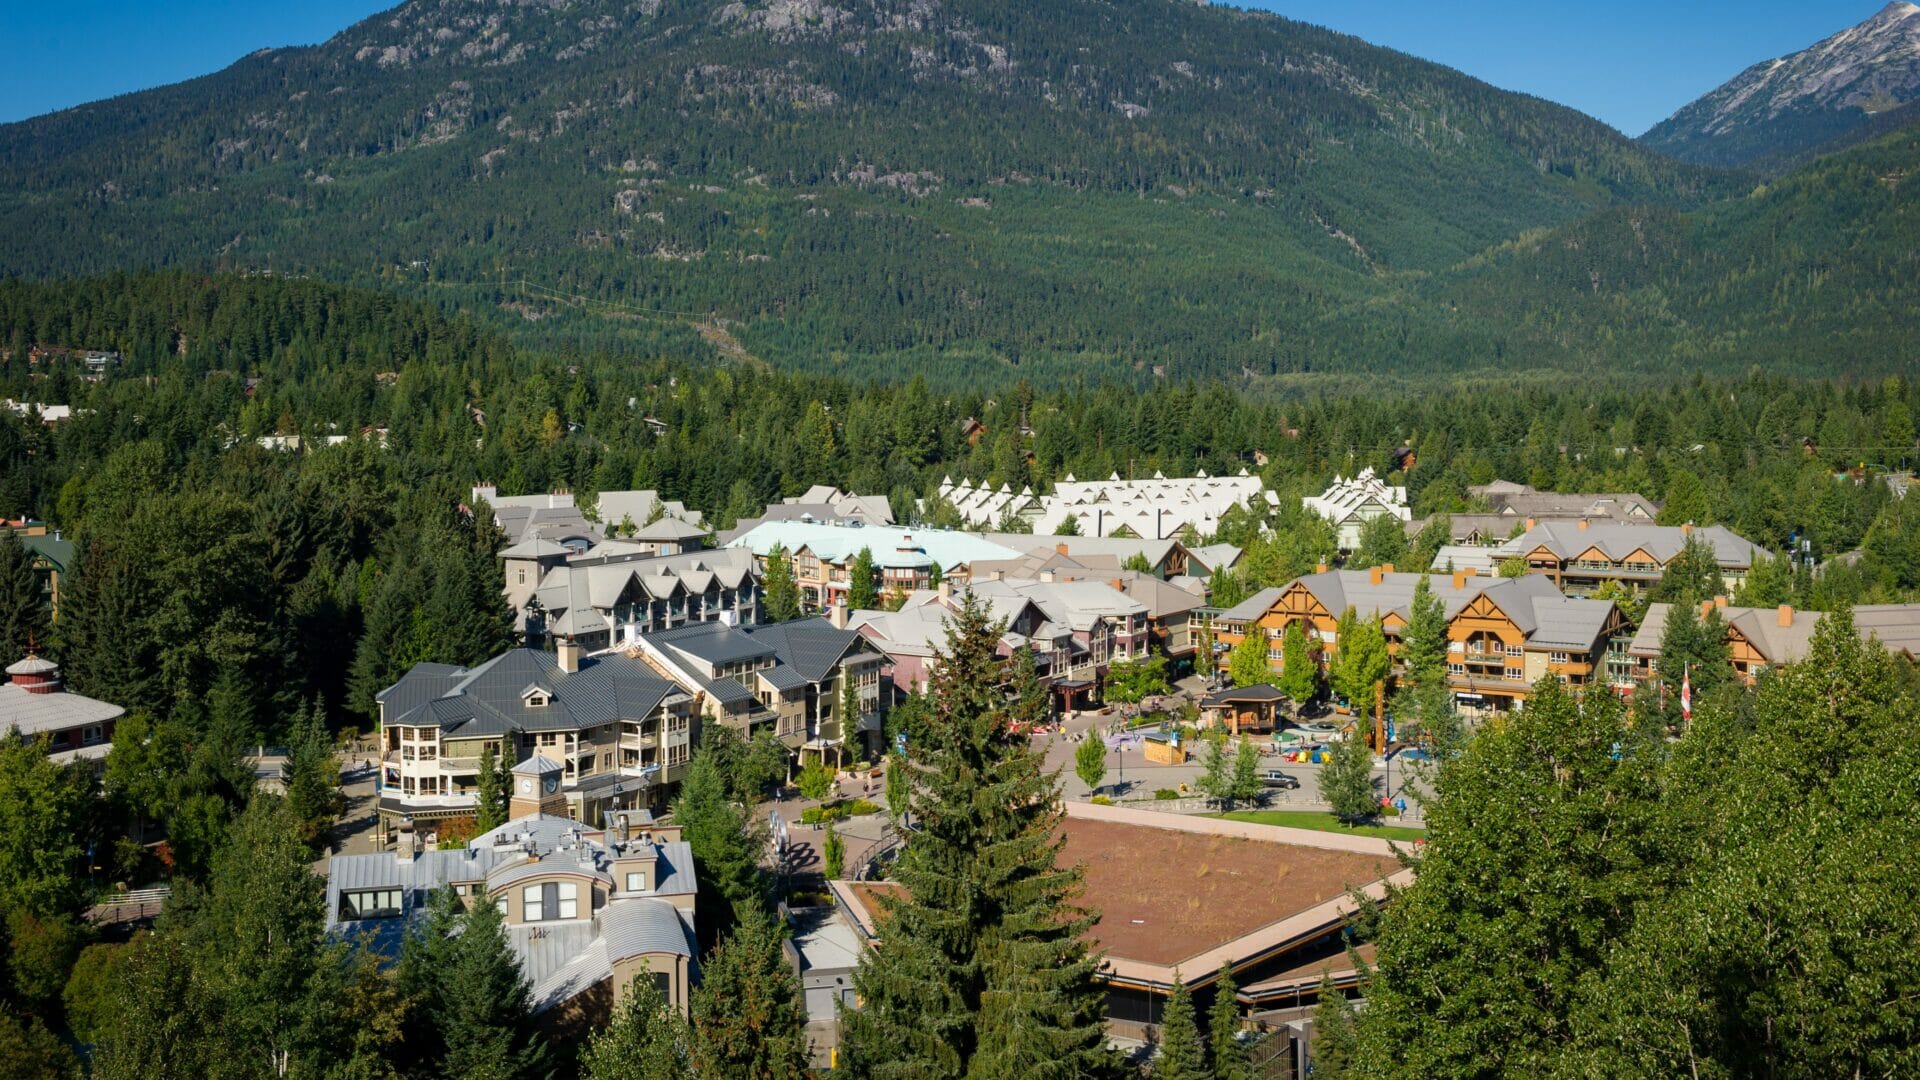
(1245, 708)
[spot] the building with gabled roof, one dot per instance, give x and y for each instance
(1504, 634)
(1578, 556)
(617, 592)
(1350, 503)
(1158, 508)
(1761, 639)
(616, 727)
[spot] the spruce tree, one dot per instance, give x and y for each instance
(863, 583)
(1423, 645)
(726, 846)
(749, 1018)
(1336, 1044)
(484, 1013)
(1229, 1054)
(313, 777)
(645, 1039)
(780, 596)
(1182, 1054)
(23, 614)
(492, 794)
(833, 853)
(983, 970)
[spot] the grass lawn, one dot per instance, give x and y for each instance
(1321, 821)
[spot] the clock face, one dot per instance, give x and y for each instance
(526, 787)
(553, 784)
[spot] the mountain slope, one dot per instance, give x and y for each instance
(859, 185)
(1778, 110)
(1818, 271)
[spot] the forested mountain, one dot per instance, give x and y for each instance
(1000, 183)
(1778, 111)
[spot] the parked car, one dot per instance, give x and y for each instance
(1274, 778)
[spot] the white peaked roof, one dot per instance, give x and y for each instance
(1154, 509)
(1350, 498)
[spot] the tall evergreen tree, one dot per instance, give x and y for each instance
(23, 614)
(781, 597)
(1227, 1052)
(726, 846)
(984, 971)
(491, 783)
(645, 1039)
(1182, 1055)
(484, 1013)
(1423, 646)
(1336, 1045)
(749, 1018)
(104, 604)
(863, 582)
(313, 777)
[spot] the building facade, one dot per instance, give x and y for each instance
(1580, 556)
(1352, 502)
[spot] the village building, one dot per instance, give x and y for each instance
(34, 702)
(1504, 634)
(1580, 556)
(821, 556)
(1350, 503)
(619, 591)
(1762, 639)
(1158, 508)
(587, 909)
(558, 518)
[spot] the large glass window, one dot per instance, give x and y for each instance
(550, 900)
(370, 904)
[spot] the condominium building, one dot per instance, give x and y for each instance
(587, 909)
(618, 592)
(1352, 502)
(1761, 639)
(1578, 556)
(1158, 508)
(822, 555)
(1503, 634)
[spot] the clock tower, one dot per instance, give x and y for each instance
(536, 789)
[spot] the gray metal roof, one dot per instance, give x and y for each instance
(811, 646)
(782, 677)
(715, 643)
(488, 700)
(639, 925)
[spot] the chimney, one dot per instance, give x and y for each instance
(1118, 585)
(1687, 529)
(1374, 575)
(1320, 568)
(1720, 602)
(1706, 609)
(1061, 548)
(569, 656)
(1530, 524)
(837, 614)
(1386, 568)
(1460, 577)
(1583, 524)
(1786, 615)
(945, 590)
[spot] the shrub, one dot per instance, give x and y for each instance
(1101, 800)
(859, 808)
(1166, 793)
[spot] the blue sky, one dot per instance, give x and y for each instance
(1628, 62)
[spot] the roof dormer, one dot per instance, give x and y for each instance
(536, 697)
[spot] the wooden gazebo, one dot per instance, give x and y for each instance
(1245, 708)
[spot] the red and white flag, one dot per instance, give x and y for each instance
(1686, 692)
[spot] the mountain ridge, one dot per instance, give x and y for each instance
(1777, 111)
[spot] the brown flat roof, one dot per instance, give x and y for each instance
(1164, 894)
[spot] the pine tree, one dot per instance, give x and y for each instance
(984, 970)
(23, 614)
(1423, 645)
(645, 1039)
(484, 1013)
(1228, 1053)
(1336, 1045)
(749, 1020)
(1182, 1055)
(863, 583)
(780, 596)
(313, 777)
(726, 846)
(104, 604)
(491, 795)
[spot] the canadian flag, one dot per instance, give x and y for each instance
(1686, 692)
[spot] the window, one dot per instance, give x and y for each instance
(1557, 658)
(1516, 674)
(550, 900)
(91, 734)
(370, 904)
(537, 700)
(1456, 669)
(1514, 650)
(523, 575)
(636, 881)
